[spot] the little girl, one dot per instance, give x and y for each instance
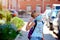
(38, 31)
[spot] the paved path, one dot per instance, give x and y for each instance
(48, 35)
(24, 34)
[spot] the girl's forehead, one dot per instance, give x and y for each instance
(35, 13)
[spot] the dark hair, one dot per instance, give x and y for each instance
(32, 14)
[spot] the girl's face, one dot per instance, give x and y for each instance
(35, 15)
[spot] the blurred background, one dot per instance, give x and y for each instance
(18, 12)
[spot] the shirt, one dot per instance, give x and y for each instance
(38, 32)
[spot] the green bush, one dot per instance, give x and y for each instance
(18, 22)
(8, 32)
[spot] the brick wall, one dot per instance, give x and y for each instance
(21, 4)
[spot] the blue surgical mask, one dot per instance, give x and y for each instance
(38, 18)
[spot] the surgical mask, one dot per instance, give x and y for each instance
(39, 18)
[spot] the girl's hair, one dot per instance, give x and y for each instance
(32, 14)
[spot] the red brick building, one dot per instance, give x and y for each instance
(29, 5)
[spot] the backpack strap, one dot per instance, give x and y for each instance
(35, 24)
(32, 30)
(42, 22)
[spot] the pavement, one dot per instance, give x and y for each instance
(48, 35)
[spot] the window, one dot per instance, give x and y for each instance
(48, 6)
(28, 8)
(13, 3)
(22, 0)
(38, 8)
(4, 3)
